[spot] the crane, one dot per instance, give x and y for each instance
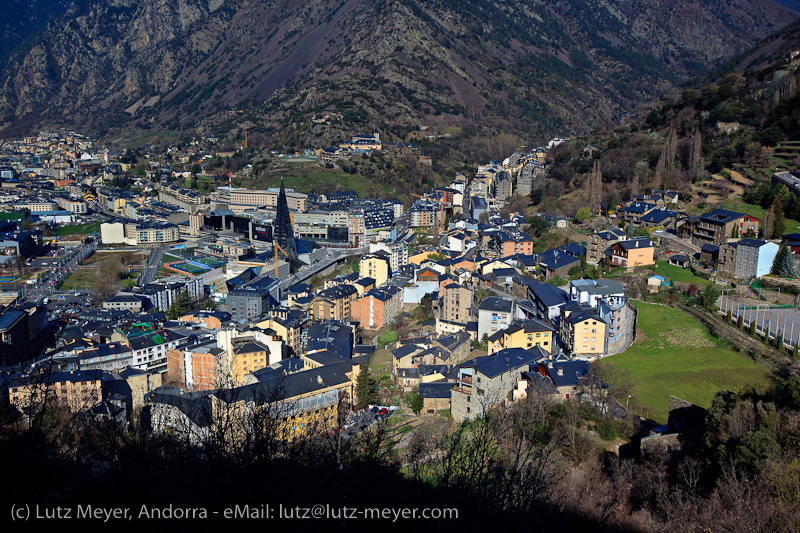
(277, 247)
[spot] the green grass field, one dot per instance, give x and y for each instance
(675, 355)
(83, 279)
(79, 229)
(310, 177)
(676, 273)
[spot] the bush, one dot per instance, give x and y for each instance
(607, 428)
(387, 338)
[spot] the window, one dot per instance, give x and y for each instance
(538, 335)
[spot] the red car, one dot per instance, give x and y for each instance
(383, 411)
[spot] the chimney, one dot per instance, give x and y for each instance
(560, 371)
(550, 364)
(506, 361)
(319, 379)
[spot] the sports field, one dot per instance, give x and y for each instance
(188, 268)
(208, 261)
(675, 355)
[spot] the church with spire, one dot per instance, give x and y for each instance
(284, 233)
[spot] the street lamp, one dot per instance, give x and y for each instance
(626, 401)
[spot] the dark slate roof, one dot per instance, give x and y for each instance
(527, 260)
(554, 259)
(438, 389)
(405, 350)
(579, 315)
(574, 249)
(250, 347)
(298, 288)
(332, 336)
(547, 294)
(721, 216)
(710, 248)
(612, 234)
(753, 243)
(637, 207)
(294, 385)
(657, 216)
(572, 372)
(505, 360)
(497, 304)
(152, 339)
(639, 242)
(454, 340)
(336, 292)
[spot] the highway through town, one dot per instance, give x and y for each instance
(333, 256)
(150, 272)
(48, 284)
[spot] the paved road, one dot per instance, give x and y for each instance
(309, 271)
(49, 284)
(150, 272)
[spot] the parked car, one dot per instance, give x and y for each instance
(383, 411)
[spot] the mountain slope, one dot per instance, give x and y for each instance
(177, 63)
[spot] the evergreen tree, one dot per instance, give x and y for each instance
(779, 226)
(416, 402)
(778, 261)
(365, 389)
(179, 307)
(783, 265)
(787, 269)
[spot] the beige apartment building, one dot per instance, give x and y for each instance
(242, 200)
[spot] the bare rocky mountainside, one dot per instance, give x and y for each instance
(535, 66)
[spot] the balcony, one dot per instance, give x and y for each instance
(464, 385)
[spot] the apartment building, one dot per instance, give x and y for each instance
(198, 365)
(600, 242)
(241, 200)
(456, 301)
(75, 390)
(754, 258)
(524, 334)
(377, 266)
(486, 381)
(333, 303)
(718, 225)
(378, 307)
